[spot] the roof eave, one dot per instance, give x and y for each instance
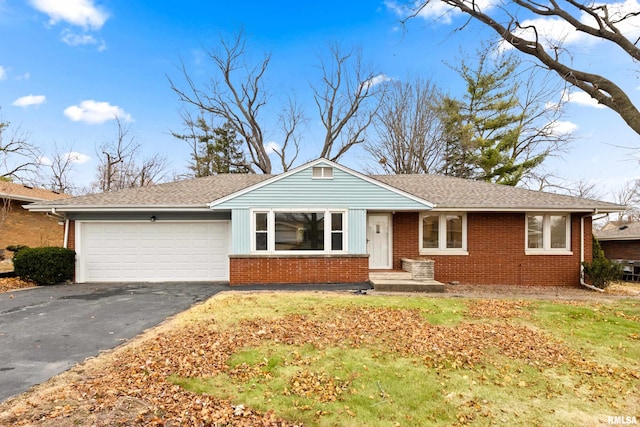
(118, 208)
(525, 209)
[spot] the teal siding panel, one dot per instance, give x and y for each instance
(240, 231)
(357, 232)
(300, 190)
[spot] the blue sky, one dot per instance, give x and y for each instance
(67, 67)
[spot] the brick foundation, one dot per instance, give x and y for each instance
(282, 269)
(495, 243)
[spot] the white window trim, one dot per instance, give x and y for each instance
(442, 232)
(271, 235)
(323, 170)
(546, 235)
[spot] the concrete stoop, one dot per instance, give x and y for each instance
(401, 281)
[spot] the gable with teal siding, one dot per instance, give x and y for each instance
(299, 189)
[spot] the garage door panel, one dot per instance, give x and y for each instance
(160, 251)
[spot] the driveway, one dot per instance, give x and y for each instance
(47, 330)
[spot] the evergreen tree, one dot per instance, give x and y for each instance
(484, 128)
(215, 150)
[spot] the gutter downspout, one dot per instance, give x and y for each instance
(65, 243)
(582, 282)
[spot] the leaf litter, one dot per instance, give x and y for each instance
(134, 388)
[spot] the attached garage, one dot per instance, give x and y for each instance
(152, 251)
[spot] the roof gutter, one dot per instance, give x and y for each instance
(138, 208)
(582, 242)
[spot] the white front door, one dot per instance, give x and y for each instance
(379, 240)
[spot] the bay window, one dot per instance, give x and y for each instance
(299, 231)
(548, 233)
(443, 232)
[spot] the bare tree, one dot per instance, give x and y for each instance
(18, 158)
(601, 21)
(235, 94)
(347, 100)
(60, 169)
(629, 195)
(408, 128)
(119, 165)
(291, 119)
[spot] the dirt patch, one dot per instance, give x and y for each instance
(616, 290)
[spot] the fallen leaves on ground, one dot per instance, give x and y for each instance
(135, 387)
(498, 309)
(8, 284)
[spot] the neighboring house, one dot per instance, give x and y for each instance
(19, 226)
(325, 223)
(620, 240)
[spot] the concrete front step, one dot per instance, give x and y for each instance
(384, 285)
(389, 275)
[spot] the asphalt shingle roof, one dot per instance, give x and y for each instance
(630, 231)
(22, 192)
(445, 192)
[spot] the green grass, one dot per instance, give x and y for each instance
(370, 385)
(607, 332)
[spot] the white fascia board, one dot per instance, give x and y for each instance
(527, 209)
(20, 198)
(155, 208)
(327, 162)
(604, 239)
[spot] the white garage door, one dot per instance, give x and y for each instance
(152, 251)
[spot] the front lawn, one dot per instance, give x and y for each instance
(323, 359)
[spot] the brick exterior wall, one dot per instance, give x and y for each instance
(256, 270)
(33, 229)
(621, 249)
(495, 242)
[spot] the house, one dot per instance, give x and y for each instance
(620, 240)
(22, 227)
(325, 223)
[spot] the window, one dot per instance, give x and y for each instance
(444, 232)
(299, 231)
(261, 231)
(322, 172)
(548, 233)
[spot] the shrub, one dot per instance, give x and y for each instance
(46, 265)
(600, 271)
(16, 248)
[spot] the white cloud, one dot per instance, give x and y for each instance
(3, 73)
(271, 146)
(25, 76)
(73, 39)
(581, 98)
(94, 112)
(81, 13)
(72, 156)
(376, 80)
(30, 100)
(44, 161)
(433, 10)
(562, 128)
(75, 157)
(556, 32)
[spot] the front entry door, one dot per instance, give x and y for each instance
(379, 241)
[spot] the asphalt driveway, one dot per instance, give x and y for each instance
(47, 330)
